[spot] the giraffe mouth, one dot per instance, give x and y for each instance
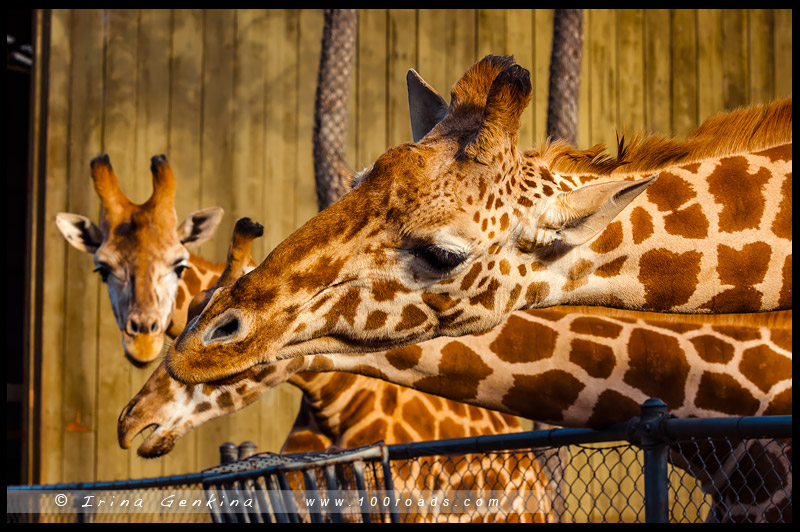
(156, 440)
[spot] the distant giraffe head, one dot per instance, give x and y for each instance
(140, 251)
(448, 235)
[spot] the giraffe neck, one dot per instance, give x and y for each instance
(576, 369)
(710, 236)
(200, 275)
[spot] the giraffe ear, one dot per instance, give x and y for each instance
(82, 233)
(426, 106)
(575, 217)
(199, 226)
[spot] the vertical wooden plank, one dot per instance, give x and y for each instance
(684, 71)
(51, 425)
(602, 78)
(185, 126)
(83, 291)
(761, 55)
(783, 53)
(491, 36)
(432, 60)
(371, 122)
(119, 137)
(543, 43)
(630, 68)
(218, 183)
(658, 116)
(519, 43)
(461, 48)
(710, 98)
(734, 58)
(309, 50)
(402, 55)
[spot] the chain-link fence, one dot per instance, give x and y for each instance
(654, 468)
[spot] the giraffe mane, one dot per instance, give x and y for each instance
(744, 129)
(781, 319)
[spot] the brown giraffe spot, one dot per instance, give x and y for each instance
(669, 192)
(320, 363)
(577, 275)
(595, 327)
(464, 370)
(721, 393)
(424, 422)
(436, 402)
(439, 302)
(677, 327)
(322, 273)
(339, 383)
(612, 268)
(669, 279)
(303, 442)
(471, 275)
(180, 297)
(505, 267)
(498, 421)
(782, 338)
(641, 225)
(202, 407)
(225, 400)
(513, 296)
(692, 167)
(264, 373)
(475, 413)
(522, 270)
(785, 296)
(764, 367)
(387, 290)
(778, 153)
(450, 429)
(521, 340)
(609, 239)
(359, 406)
(781, 404)
(712, 349)
(241, 389)
(546, 313)
(191, 280)
(486, 298)
(657, 366)
(742, 334)
(375, 320)
(320, 302)
(524, 201)
(459, 409)
(344, 308)
(688, 223)
(504, 221)
(546, 395)
(740, 193)
(374, 432)
(404, 357)
(782, 225)
(742, 269)
(401, 435)
(410, 317)
(612, 407)
(597, 359)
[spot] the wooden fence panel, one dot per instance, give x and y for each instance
(228, 95)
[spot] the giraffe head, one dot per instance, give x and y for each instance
(173, 409)
(140, 251)
(443, 236)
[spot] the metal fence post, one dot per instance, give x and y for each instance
(656, 453)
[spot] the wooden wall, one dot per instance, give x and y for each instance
(228, 95)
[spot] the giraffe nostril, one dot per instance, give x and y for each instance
(133, 327)
(153, 327)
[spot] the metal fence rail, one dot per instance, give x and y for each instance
(653, 468)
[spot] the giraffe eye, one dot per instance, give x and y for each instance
(104, 270)
(179, 269)
(439, 258)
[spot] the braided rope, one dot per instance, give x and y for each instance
(565, 70)
(331, 171)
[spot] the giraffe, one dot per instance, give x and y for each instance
(147, 291)
(339, 410)
(448, 235)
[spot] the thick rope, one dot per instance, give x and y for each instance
(565, 70)
(331, 171)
